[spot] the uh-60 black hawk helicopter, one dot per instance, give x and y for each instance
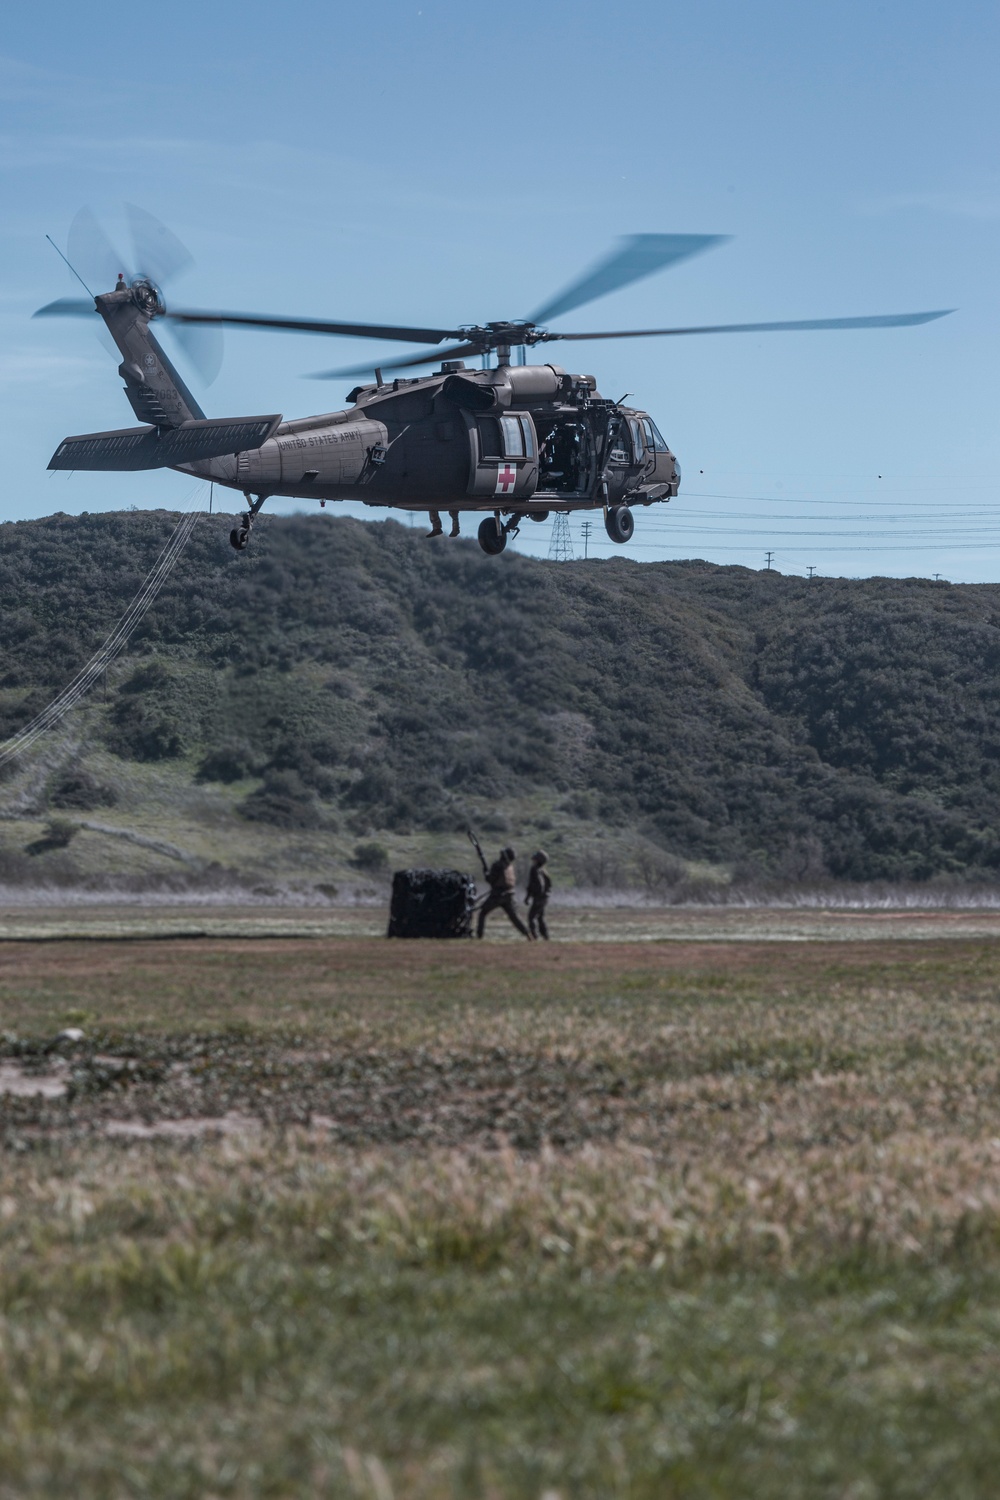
(510, 442)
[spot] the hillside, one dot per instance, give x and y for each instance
(349, 693)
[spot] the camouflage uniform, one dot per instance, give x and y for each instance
(502, 879)
(537, 894)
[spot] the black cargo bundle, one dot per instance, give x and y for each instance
(431, 904)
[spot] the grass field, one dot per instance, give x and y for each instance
(340, 1217)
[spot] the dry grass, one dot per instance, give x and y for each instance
(693, 1219)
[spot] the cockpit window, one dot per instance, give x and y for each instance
(654, 437)
(620, 444)
(637, 442)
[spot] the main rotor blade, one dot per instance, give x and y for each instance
(431, 357)
(159, 254)
(883, 320)
(66, 307)
(640, 255)
(316, 325)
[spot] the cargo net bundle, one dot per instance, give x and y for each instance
(431, 904)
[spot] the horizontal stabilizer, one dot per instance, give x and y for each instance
(149, 448)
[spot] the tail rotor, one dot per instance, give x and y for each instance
(158, 257)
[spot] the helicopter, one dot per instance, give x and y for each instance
(509, 441)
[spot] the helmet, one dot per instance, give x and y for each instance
(540, 857)
(507, 854)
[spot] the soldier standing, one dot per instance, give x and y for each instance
(537, 895)
(502, 878)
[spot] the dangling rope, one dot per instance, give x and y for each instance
(115, 643)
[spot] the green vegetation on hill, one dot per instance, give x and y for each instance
(353, 678)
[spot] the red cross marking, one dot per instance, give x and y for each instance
(506, 479)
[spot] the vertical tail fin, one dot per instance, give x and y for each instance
(156, 391)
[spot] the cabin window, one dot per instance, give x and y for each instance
(489, 438)
(513, 437)
(505, 437)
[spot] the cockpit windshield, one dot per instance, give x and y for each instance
(654, 437)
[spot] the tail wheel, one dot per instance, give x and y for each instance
(492, 537)
(619, 523)
(238, 538)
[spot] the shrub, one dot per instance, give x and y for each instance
(59, 832)
(232, 760)
(370, 857)
(282, 800)
(81, 792)
(144, 732)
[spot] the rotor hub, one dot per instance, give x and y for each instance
(500, 335)
(147, 296)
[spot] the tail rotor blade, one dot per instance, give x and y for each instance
(639, 255)
(203, 346)
(90, 252)
(159, 254)
(66, 307)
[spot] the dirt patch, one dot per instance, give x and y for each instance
(185, 1129)
(15, 1079)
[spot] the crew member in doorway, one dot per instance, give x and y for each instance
(501, 877)
(537, 895)
(436, 527)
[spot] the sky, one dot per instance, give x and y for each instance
(446, 163)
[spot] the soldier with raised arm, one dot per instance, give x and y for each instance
(501, 878)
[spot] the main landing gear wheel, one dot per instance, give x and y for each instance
(492, 537)
(619, 523)
(239, 537)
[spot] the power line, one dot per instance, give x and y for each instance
(819, 500)
(115, 643)
(983, 512)
(846, 547)
(973, 533)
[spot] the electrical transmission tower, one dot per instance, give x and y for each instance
(586, 529)
(768, 560)
(561, 545)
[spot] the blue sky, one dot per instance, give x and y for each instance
(455, 162)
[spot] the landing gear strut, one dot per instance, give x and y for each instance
(239, 537)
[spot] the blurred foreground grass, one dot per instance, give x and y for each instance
(638, 1220)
